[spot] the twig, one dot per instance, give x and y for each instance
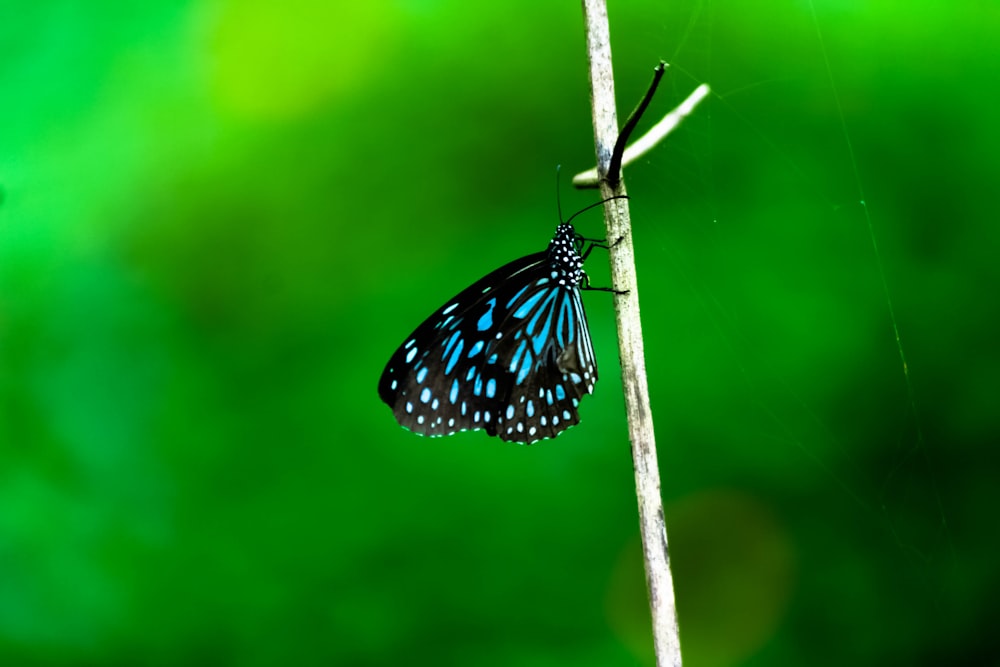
(615, 166)
(659, 580)
(642, 145)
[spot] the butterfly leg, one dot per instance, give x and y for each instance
(598, 243)
(586, 286)
(603, 244)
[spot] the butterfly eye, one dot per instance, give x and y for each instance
(511, 354)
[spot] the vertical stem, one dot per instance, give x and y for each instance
(616, 214)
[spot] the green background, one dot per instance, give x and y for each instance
(218, 219)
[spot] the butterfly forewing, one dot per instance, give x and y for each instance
(510, 354)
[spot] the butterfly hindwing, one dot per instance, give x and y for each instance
(549, 363)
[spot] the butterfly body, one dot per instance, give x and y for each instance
(510, 354)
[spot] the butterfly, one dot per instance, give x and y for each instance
(510, 354)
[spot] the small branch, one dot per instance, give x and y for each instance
(615, 167)
(666, 639)
(642, 145)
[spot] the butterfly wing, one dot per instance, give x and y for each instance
(438, 382)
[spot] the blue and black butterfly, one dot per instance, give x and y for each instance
(510, 354)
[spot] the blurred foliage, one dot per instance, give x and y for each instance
(218, 219)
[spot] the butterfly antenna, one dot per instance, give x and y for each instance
(594, 205)
(558, 198)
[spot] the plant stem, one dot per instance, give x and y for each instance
(666, 640)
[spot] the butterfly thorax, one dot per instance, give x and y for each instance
(564, 253)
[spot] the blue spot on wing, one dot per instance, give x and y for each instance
(453, 359)
(486, 321)
(525, 308)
